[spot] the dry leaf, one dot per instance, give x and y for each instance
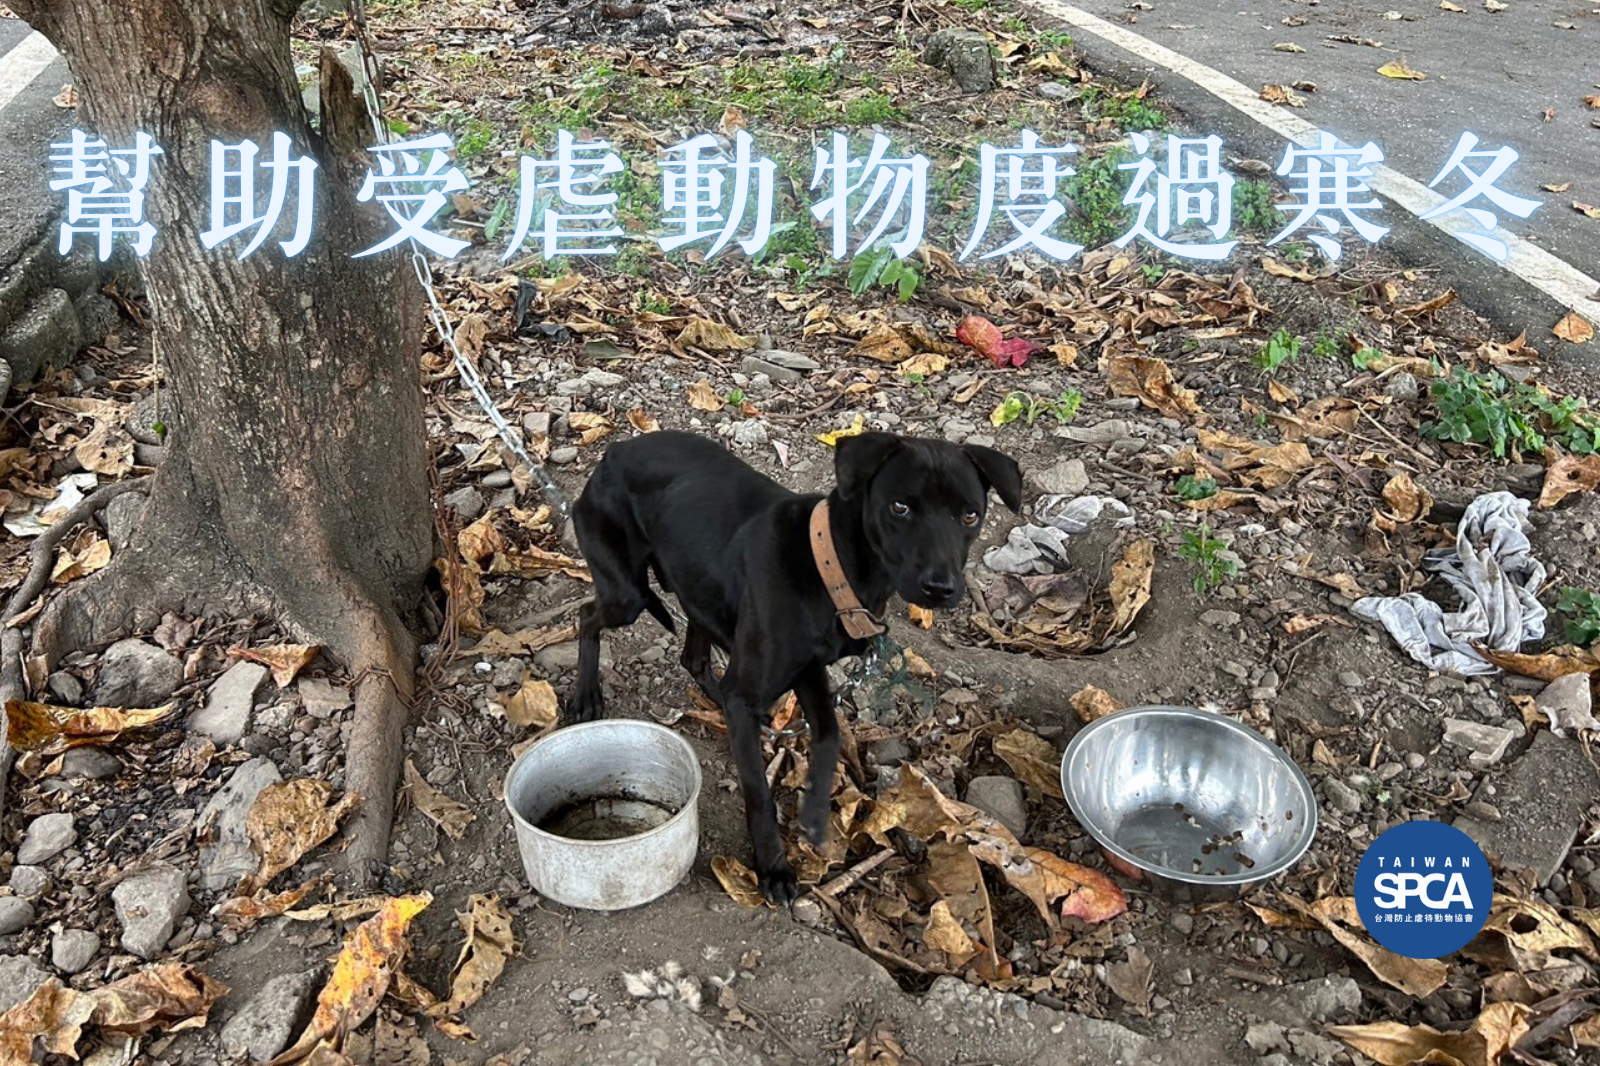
(590, 427)
(1446, 5)
(1130, 584)
(1151, 381)
(857, 427)
(1284, 270)
(923, 365)
(534, 704)
(738, 881)
(1280, 94)
(1091, 703)
(1408, 502)
(920, 615)
(1131, 980)
(51, 730)
(1586, 210)
(106, 450)
(1415, 977)
(1494, 1032)
(884, 344)
(522, 642)
(288, 819)
(1282, 393)
(446, 813)
(71, 565)
(1574, 328)
(1032, 759)
(339, 912)
(1287, 46)
(643, 420)
(170, 995)
(371, 955)
(1547, 666)
(714, 337)
(1533, 927)
(240, 913)
(1568, 475)
(1398, 69)
(944, 933)
(284, 660)
(489, 943)
(54, 1014)
(702, 397)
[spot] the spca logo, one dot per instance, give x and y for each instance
(1423, 889)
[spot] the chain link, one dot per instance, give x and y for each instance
(436, 312)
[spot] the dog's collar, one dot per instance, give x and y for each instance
(859, 622)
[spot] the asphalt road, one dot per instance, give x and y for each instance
(1495, 74)
(28, 124)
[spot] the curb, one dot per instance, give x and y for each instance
(1532, 290)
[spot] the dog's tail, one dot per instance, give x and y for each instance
(658, 610)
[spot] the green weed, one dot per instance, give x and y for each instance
(1190, 487)
(871, 110)
(1212, 565)
(878, 266)
(1482, 409)
(1281, 348)
(1031, 408)
(1126, 110)
(1580, 610)
(1255, 210)
(1097, 190)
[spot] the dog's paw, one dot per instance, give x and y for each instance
(814, 818)
(583, 705)
(779, 884)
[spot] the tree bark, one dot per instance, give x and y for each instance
(295, 479)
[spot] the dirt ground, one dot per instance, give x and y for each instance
(585, 355)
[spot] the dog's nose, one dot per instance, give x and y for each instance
(938, 587)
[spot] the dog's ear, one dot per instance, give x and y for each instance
(856, 459)
(999, 472)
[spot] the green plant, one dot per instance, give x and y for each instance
(1295, 252)
(1478, 408)
(878, 266)
(1030, 408)
(1366, 358)
(649, 302)
(1326, 346)
(1281, 347)
(1190, 487)
(1255, 210)
(1153, 272)
(1208, 554)
(734, 398)
(1097, 190)
(971, 5)
(1053, 39)
(1128, 111)
(497, 218)
(1581, 611)
(1567, 419)
(1012, 24)
(870, 110)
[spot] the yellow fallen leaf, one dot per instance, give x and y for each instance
(591, 427)
(1494, 1032)
(920, 615)
(339, 912)
(106, 450)
(738, 881)
(446, 813)
(1130, 584)
(54, 1016)
(857, 427)
(944, 933)
(1280, 269)
(714, 337)
(534, 704)
(366, 965)
(1494, 5)
(1398, 69)
(71, 565)
(51, 730)
(288, 819)
(1418, 978)
(923, 365)
(1547, 666)
(1288, 46)
(1408, 501)
(1280, 94)
(171, 995)
(489, 943)
(643, 420)
(1574, 328)
(240, 913)
(1033, 760)
(284, 660)
(1090, 703)
(884, 344)
(522, 642)
(702, 397)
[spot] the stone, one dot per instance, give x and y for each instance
(47, 334)
(1485, 744)
(756, 365)
(1402, 387)
(229, 856)
(565, 455)
(73, 949)
(134, 673)
(604, 379)
(466, 501)
(15, 915)
(264, 1025)
(789, 360)
(148, 906)
(1341, 797)
(1542, 799)
(891, 751)
(322, 699)
(65, 687)
(1350, 680)
(966, 55)
(1002, 798)
(1567, 702)
(750, 434)
(20, 977)
(496, 479)
(29, 882)
(48, 836)
(226, 716)
(90, 763)
(1055, 90)
(1316, 1002)
(1218, 619)
(1065, 478)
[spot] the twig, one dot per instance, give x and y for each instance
(803, 415)
(849, 878)
(558, 16)
(1427, 461)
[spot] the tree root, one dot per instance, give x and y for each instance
(40, 558)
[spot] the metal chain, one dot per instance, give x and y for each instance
(436, 312)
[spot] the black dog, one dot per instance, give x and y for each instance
(747, 563)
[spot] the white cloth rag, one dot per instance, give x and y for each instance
(1493, 571)
(1038, 548)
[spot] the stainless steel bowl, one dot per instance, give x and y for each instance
(1196, 802)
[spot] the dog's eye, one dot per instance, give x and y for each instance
(898, 509)
(970, 518)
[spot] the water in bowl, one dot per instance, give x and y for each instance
(1171, 837)
(606, 818)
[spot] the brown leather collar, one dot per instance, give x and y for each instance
(859, 622)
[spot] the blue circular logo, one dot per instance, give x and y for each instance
(1423, 889)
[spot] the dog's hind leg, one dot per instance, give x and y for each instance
(811, 691)
(619, 569)
(697, 660)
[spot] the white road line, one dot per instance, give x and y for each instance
(1554, 277)
(22, 64)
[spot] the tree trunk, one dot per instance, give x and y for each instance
(295, 480)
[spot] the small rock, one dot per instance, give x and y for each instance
(604, 379)
(90, 762)
(73, 949)
(15, 915)
(564, 455)
(536, 424)
(1416, 760)
(1183, 923)
(891, 751)
(1323, 1000)
(789, 360)
(1100, 433)
(1065, 478)
(1566, 701)
(148, 906)
(322, 699)
(496, 479)
(1402, 387)
(750, 434)
(1350, 680)
(755, 365)
(29, 882)
(264, 1025)
(48, 836)
(966, 54)
(226, 716)
(65, 687)
(1486, 744)
(136, 674)
(230, 856)
(1342, 798)
(466, 502)
(20, 978)
(1054, 90)
(1002, 798)
(1221, 619)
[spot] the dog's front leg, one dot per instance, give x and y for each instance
(811, 690)
(772, 867)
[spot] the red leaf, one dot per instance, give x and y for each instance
(1016, 351)
(983, 336)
